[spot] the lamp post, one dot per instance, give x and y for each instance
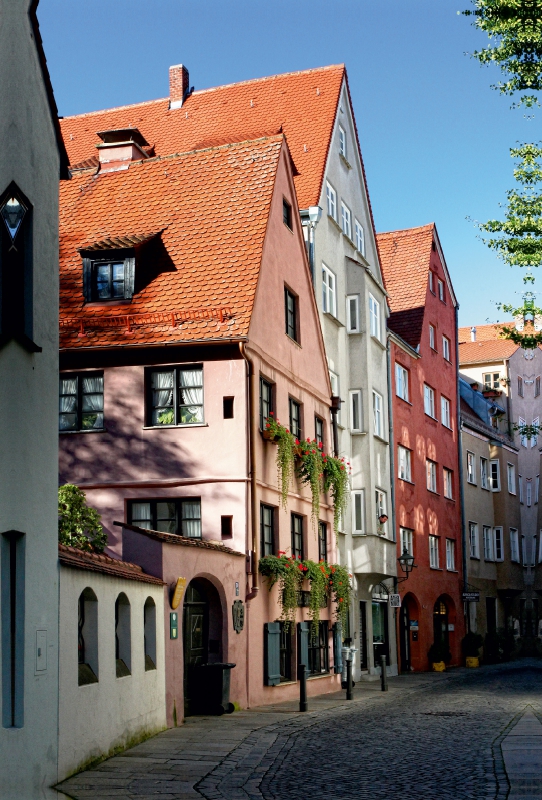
(406, 562)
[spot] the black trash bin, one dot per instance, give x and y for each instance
(213, 689)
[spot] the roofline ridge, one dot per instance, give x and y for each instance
(428, 226)
(202, 91)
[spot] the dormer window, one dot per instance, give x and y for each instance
(109, 277)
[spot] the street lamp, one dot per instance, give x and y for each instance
(406, 562)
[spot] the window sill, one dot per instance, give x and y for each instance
(345, 161)
(318, 677)
(437, 569)
(514, 494)
(293, 341)
(408, 403)
(451, 499)
(333, 318)
(452, 570)
(472, 483)
(474, 558)
(180, 425)
(335, 223)
(349, 240)
(358, 433)
(448, 427)
(431, 416)
(405, 480)
(377, 341)
(432, 491)
(380, 438)
(107, 303)
(92, 430)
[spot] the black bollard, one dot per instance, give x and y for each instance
(384, 677)
(349, 684)
(302, 678)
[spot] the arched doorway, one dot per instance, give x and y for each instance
(441, 636)
(202, 636)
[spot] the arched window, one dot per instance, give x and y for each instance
(149, 617)
(87, 637)
(123, 637)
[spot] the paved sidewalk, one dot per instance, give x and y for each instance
(170, 765)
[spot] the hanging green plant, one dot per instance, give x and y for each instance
(336, 480)
(339, 584)
(318, 576)
(311, 472)
(286, 449)
(289, 573)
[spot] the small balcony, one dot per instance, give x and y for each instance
(374, 555)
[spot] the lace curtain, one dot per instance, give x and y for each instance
(191, 522)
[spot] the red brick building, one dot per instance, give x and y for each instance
(423, 329)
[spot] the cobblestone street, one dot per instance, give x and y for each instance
(429, 736)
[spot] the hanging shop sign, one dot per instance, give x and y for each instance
(470, 597)
(238, 612)
(180, 586)
(395, 600)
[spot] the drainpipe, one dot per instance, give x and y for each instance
(392, 445)
(254, 553)
(313, 215)
(460, 455)
(335, 406)
(509, 389)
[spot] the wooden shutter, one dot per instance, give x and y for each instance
(271, 638)
(303, 633)
(337, 648)
(87, 279)
(129, 277)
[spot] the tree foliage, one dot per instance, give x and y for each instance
(515, 31)
(78, 524)
(520, 240)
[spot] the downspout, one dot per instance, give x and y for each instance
(460, 455)
(509, 387)
(254, 552)
(392, 443)
(334, 408)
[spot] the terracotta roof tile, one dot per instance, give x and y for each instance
(405, 257)
(99, 562)
(181, 541)
(486, 350)
(300, 104)
(211, 207)
(484, 333)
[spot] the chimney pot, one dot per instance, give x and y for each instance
(178, 85)
(473, 334)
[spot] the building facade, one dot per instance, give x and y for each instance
(31, 161)
(423, 332)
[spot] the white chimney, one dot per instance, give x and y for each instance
(119, 148)
(473, 334)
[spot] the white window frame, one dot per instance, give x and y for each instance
(352, 314)
(343, 146)
(495, 480)
(358, 512)
(514, 545)
(401, 381)
(346, 220)
(429, 400)
(432, 337)
(441, 290)
(329, 291)
(448, 481)
(445, 412)
(381, 502)
(520, 482)
(331, 199)
(523, 439)
(474, 544)
(493, 382)
(374, 317)
(407, 540)
(360, 236)
(356, 411)
(484, 473)
(450, 555)
(378, 414)
(487, 534)
(498, 543)
(471, 468)
(432, 281)
(431, 475)
(446, 352)
(404, 463)
(528, 492)
(434, 560)
(511, 477)
(534, 439)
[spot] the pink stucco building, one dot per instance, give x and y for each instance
(187, 315)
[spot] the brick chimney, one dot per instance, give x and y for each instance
(119, 148)
(178, 85)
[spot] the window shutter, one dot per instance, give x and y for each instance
(303, 633)
(271, 653)
(87, 279)
(129, 277)
(337, 648)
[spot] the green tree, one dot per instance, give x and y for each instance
(78, 524)
(515, 31)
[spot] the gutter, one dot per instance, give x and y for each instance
(254, 552)
(460, 454)
(392, 442)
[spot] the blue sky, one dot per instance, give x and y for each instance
(435, 137)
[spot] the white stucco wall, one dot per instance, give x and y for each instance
(360, 362)
(98, 717)
(29, 410)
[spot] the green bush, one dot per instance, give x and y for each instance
(78, 524)
(439, 652)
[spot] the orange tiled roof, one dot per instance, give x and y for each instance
(211, 207)
(405, 257)
(100, 562)
(484, 333)
(486, 350)
(301, 104)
